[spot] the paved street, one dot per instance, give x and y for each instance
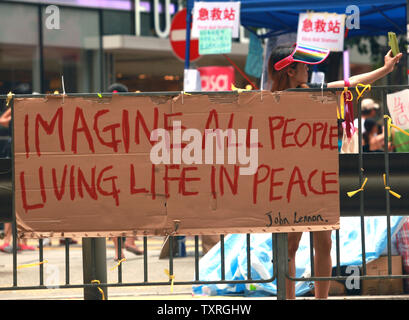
(132, 271)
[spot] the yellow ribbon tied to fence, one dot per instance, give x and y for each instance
(397, 195)
(171, 278)
(390, 124)
(9, 97)
(118, 264)
(248, 88)
(352, 193)
(100, 290)
(31, 264)
(360, 93)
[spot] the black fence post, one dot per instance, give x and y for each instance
(94, 267)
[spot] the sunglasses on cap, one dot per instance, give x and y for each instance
(305, 54)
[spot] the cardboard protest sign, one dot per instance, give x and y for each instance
(98, 167)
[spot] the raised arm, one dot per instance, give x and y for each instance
(370, 77)
(5, 118)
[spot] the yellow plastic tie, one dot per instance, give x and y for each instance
(100, 95)
(31, 264)
(360, 93)
(390, 124)
(9, 97)
(397, 195)
(352, 193)
(100, 290)
(186, 94)
(248, 88)
(171, 278)
(118, 264)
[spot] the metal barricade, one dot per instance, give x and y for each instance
(352, 168)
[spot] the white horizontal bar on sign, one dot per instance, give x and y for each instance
(180, 35)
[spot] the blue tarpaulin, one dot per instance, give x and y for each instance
(377, 17)
(261, 257)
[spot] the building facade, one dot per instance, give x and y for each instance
(93, 43)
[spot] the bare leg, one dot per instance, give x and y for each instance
(131, 246)
(293, 241)
(115, 240)
(7, 233)
(322, 262)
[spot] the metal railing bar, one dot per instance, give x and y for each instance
(388, 203)
(248, 257)
(196, 258)
(145, 259)
(41, 259)
(67, 261)
(119, 259)
(222, 257)
(312, 254)
(361, 194)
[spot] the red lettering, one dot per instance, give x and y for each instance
(325, 182)
(168, 115)
(213, 181)
(133, 189)
(114, 191)
(153, 182)
(333, 134)
(272, 128)
(79, 115)
(297, 132)
(125, 129)
(316, 127)
(82, 181)
(233, 185)
(285, 135)
(212, 114)
(273, 184)
(249, 127)
(140, 120)
(49, 129)
(324, 135)
(26, 206)
(310, 187)
(113, 144)
(59, 193)
(296, 178)
(183, 180)
(72, 183)
(167, 178)
(256, 180)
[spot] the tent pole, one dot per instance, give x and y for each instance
(407, 38)
(188, 23)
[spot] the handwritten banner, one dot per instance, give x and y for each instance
(89, 167)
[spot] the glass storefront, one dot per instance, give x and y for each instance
(72, 52)
(19, 49)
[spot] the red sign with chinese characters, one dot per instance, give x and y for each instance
(216, 15)
(322, 30)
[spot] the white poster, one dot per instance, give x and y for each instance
(216, 15)
(398, 106)
(323, 30)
